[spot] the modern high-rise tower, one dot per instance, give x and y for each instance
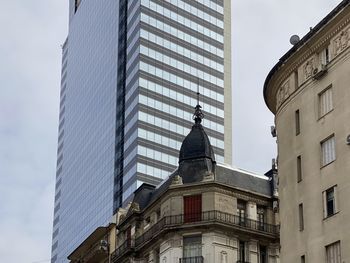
(131, 70)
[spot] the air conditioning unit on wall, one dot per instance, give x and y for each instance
(320, 72)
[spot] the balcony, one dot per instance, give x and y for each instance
(97, 252)
(205, 218)
(199, 259)
(127, 247)
(94, 248)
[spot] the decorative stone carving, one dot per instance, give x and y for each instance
(135, 207)
(309, 68)
(209, 176)
(164, 260)
(223, 257)
(341, 42)
(283, 93)
(177, 180)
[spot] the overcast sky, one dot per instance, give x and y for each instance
(30, 61)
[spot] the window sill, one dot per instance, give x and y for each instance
(330, 216)
(324, 115)
(327, 164)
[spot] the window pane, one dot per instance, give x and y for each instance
(325, 102)
(333, 253)
(328, 151)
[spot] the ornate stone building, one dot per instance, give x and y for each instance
(308, 91)
(203, 213)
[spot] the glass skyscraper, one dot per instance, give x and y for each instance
(130, 73)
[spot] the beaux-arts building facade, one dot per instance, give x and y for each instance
(309, 93)
(203, 213)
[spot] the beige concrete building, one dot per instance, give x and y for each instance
(309, 93)
(203, 213)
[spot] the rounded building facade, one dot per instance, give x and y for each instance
(308, 91)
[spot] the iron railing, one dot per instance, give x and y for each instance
(127, 246)
(206, 217)
(198, 259)
(100, 247)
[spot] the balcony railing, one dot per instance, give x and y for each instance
(206, 217)
(100, 247)
(199, 259)
(126, 247)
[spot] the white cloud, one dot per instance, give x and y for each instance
(30, 75)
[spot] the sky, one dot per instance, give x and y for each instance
(30, 61)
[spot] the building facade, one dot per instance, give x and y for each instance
(203, 213)
(308, 91)
(130, 73)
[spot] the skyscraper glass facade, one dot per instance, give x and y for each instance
(130, 73)
(174, 48)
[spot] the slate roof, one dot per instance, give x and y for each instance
(226, 175)
(196, 145)
(243, 180)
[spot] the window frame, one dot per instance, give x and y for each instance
(299, 169)
(301, 217)
(192, 246)
(322, 143)
(338, 258)
(320, 113)
(297, 122)
(325, 193)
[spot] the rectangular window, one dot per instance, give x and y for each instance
(192, 208)
(328, 150)
(301, 217)
(325, 56)
(333, 253)
(329, 200)
(299, 169)
(261, 214)
(325, 101)
(241, 211)
(192, 248)
(241, 254)
(302, 259)
(297, 122)
(263, 254)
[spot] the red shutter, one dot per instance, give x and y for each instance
(192, 208)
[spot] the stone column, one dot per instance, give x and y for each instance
(251, 210)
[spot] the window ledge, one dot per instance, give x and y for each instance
(324, 115)
(323, 166)
(330, 216)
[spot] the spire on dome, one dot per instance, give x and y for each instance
(198, 114)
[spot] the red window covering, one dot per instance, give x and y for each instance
(192, 208)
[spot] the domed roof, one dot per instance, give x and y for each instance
(196, 144)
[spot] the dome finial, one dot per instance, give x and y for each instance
(198, 114)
